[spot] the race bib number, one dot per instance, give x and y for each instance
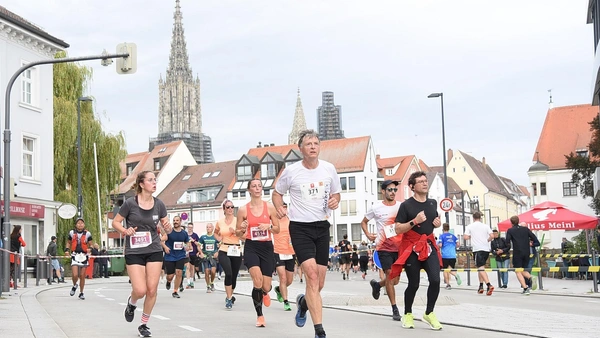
(210, 247)
(178, 245)
(80, 257)
(283, 257)
(234, 251)
(259, 235)
(389, 231)
(313, 191)
(140, 240)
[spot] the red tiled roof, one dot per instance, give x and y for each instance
(524, 190)
(27, 25)
(566, 129)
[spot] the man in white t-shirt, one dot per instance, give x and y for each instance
(386, 240)
(314, 188)
(481, 235)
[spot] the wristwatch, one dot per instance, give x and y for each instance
(412, 224)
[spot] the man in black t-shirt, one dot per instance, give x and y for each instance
(519, 237)
(345, 250)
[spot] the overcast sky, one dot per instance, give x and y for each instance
(494, 61)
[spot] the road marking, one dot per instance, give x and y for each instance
(101, 296)
(592, 301)
(161, 317)
(123, 304)
(189, 328)
(109, 298)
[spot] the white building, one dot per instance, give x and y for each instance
(31, 112)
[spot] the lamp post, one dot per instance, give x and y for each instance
(441, 96)
(79, 196)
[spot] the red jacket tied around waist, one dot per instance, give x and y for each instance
(413, 241)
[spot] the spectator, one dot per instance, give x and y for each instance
(103, 263)
(501, 248)
(96, 252)
(565, 248)
(16, 242)
(51, 252)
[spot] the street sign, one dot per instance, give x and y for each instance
(184, 216)
(66, 211)
(446, 204)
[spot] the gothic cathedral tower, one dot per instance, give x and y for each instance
(299, 122)
(179, 112)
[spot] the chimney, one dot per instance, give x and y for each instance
(258, 146)
(483, 161)
(377, 156)
(450, 155)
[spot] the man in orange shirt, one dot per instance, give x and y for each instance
(284, 261)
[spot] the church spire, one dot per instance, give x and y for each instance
(178, 59)
(299, 122)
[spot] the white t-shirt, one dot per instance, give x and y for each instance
(384, 215)
(479, 233)
(309, 190)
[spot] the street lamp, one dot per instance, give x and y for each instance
(79, 196)
(441, 96)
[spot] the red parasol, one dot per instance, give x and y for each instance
(552, 216)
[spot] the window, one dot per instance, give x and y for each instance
(569, 189)
(28, 151)
(342, 229)
(243, 194)
(28, 79)
(582, 153)
(129, 169)
(216, 173)
(464, 169)
(268, 170)
(356, 232)
(406, 192)
(543, 189)
(453, 170)
(352, 208)
(206, 175)
(204, 194)
(203, 215)
(344, 208)
(244, 172)
(186, 177)
(235, 195)
(351, 183)
(459, 219)
(534, 187)
(470, 182)
(156, 164)
(366, 190)
(343, 183)
(389, 172)
(267, 192)
(211, 215)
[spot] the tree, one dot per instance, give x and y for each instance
(584, 167)
(70, 82)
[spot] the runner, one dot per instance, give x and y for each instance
(448, 244)
(345, 258)
(80, 240)
(386, 241)
(284, 261)
(230, 255)
(210, 248)
(143, 253)
(314, 188)
(258, 250)
(480, 235)
(175, 259)
(417, 217)
(363, 253)
(193, 248)
(519, 236)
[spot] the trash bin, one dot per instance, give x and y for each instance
(117, 264)
(493, 263)
(42, 268)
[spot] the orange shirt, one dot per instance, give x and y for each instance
(282, 241)
(252, 233)
(227, 237)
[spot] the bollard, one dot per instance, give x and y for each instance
(469, 268)
(540, 283)
(595, 275)
(37, 271)
(499, 277)
(50, 274)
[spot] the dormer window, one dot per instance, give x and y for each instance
(157, 164)
(244, 173)
(582, 152)
(268, 170)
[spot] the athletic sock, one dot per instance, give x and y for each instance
(481, 285)
(394, 308)
(131, 301)
(145, 318)
(319, 331)
(285, 301)
(489, 284)
(304, 305)
(257, 297)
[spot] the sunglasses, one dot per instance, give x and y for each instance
(392, 189)
(229, 207)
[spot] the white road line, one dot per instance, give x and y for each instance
(140, 310)
(161, 317)
(189, 328)
(123, 304)
(592, 301)
(109, 298)
(101, 296)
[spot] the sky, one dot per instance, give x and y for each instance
(494, 62)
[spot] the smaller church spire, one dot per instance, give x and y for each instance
(299, 123)
(550, 103)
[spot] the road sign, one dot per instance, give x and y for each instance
(184, 216)
(446, 204)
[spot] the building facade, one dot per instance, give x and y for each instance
(329, 118)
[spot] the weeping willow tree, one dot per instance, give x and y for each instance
(70, 81)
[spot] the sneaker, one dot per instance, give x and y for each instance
(188, 286)
(432, 320)
(480, 290)
(228, 304)
(73, 290)
(301, 280)
(260, 321)
(168, 285)
(212, 287)
(396, 315)
(144, 331)
(218, 277)
(181, 288)
(364, 275)
(208, 290)
(408, 321)
(81, 296)
(266, 300)
(534, 283)
(526, 292)
(129, 310)
(192, 285)
(448, 287)
(278, 293)
(300, 317)
(458, 280)
(490, 289)
(232, 299)
(287, 307)
(344, 275)
(322, 335)
(376, 288)
(175, 295)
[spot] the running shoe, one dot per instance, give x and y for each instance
(490, 289)
(188, 287)
(144, 331)
(228, 304)
(266, 300)
(432, 320)
(526, 292)
(376, 289)
(287, 307)
(448, 287)
(480, 290)
(260, 321)
(320, 335)
(344, 275)
(208, 290)
(300, 315)
(168, 285)
(212, 287)
(129, 310)
(396, 315)
(181, 288)
(192, 285)
(175, 295)
(278, 293)
(408, 321)
(534, 283)
(73, 290)
(364, 275)
(458, 280)
(81, 296)
(232, 299)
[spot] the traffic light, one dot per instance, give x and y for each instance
(127, 65)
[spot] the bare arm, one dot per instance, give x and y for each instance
(364, 226)
(274, 219)
(242, 223)
(277, 199)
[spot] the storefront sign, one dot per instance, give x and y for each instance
(25, 210)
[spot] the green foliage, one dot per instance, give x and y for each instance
(580, 244)
(584, 167)
(70, 82)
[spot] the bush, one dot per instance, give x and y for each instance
(580, 245)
